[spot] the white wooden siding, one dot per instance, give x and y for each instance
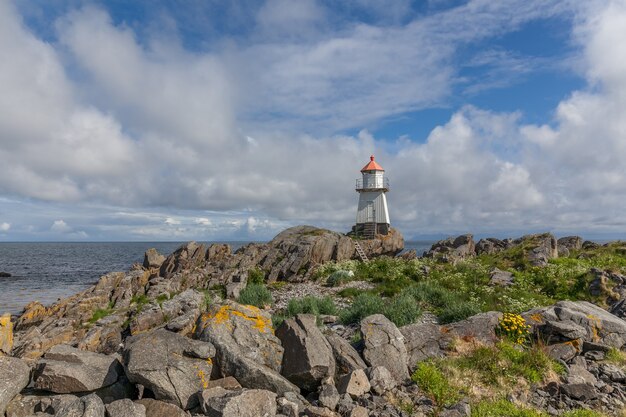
(378, 201)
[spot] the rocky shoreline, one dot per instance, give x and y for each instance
(167, 338)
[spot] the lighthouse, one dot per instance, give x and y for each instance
(372, 215)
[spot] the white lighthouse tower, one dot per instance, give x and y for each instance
(372, 215)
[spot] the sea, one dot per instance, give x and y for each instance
(47, 271)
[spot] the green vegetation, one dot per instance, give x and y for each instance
(256, 276)
(435, 383)
(101, 313)
(340, 277)
(161, 298)
(139, 300)
(255, 294)
(219, 290)
(306, 305)
(504, 408)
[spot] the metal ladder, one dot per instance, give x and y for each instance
(360, 251)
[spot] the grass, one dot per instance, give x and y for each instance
(401, 310)
(306, 305)
(616, 356)
(256, 276)
(504, 408)
(255, 294)
(429, 377)
(100, 313)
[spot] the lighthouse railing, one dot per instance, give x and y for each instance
(372, 184)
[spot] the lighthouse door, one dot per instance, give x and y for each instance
(369, 211)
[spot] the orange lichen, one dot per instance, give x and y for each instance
(224, 314)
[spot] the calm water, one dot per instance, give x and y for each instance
(49, 271)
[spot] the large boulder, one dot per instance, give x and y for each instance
(491, 245)
(30, 404)
(247, 348)
(14, 376)
(125, 408)
(219, 402)
(152, 259)
(569, 320)
(384, 346)
(66, 369)
(155, 408)
(88, 406)
(184, 306)
(187, 257)
(308, 357)
(175, 368)
(347, 359)
(570, 242)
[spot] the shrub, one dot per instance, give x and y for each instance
(402, 310)
(311, 305)
(256, 295)
(430, 293)
(339, 278)
(514, 328)
(363, 305)
(256, 276)
(459, 311)
(432, 381)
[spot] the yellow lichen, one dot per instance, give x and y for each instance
(224, 314)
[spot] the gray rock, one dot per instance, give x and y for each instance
(380, 379)
(244, 403)
(580, 391)
(422, 341)
(501, 278)
(384, 346)
(172, 366)
(308, 357)
(228, 383)
(571, 242)
(355, 383)
(14, 376)
(539, 248)
(246, 346)
(66, 369)
(287, 408)
(347, 359)
(329, 396)
(88, 406)
(152, 259)
(563, 330)
(187, 257)
(491, 245)
(125, 408)
(30, 405)
(564, 351)
(358, 411)
(451, 249)
(312, 411)
(155, 408)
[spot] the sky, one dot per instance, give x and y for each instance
(159, 120)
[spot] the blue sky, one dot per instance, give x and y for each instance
(213, 120)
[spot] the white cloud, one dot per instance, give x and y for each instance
(150, 124)
(60, 226)
(5, 227)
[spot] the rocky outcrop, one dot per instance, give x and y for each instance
(570, 243)
(384, 346)
(492, 245)
(66, 369)
(152, 259)
(88, 406)
(173, 367)
(347, 359)
(308, 357)
(539, 249)
(14, 376)
(452, 249)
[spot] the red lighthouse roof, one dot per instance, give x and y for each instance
(372, 165)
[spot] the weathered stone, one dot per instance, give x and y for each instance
(152, 259)
(14, 376)
(172, 366)
(287, 408)
(33, 314)
(571, 242)
(6, 334)
(88, 406)
(580, 391)
(491, 245)
(422, 341)
(312, 411)
(564, 351)
(105, 337)
(380, 379)
(66, 369)
(539, 248)
(30, 405)
(187, 257)
(228, 383)
(243, 403)
(308, 357)
(613, 373)
(384, 346)
(600, 326)
(557, 331)
(358, 411)
(501, 278)
(246, 346)
(355, 383)
(155, 408)
(347, 359)
(329, 396)
(125, 408)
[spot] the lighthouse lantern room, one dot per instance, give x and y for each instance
(372, 215)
